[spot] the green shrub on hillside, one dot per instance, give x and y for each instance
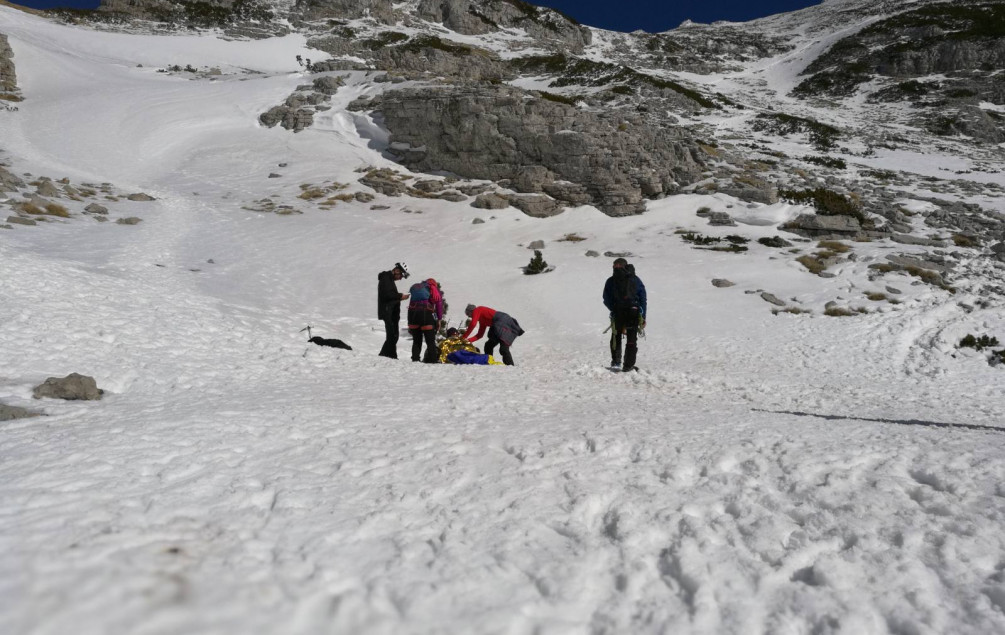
(821, 135)
(536, 265)
(955, 21)
(825, 202)
(978, 343)
(559, 99)
(387, 38)
(828, 162)
(575, 71)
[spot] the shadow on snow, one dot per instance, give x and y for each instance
(900, 422)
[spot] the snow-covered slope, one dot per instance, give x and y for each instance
(762, 473)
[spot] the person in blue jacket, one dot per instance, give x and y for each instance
(625, 298)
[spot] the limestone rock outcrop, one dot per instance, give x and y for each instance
(469, 17)
(612, 160)
(8, 76)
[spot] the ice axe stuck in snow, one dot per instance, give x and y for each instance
(320, 341)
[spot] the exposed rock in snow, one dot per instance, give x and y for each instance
(823, 226)
(73, 387)
(490, 200)
(10, 413)
(501, 133)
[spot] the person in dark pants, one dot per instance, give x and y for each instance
(389, 307)
(625, 298)
(425, 310)
(503, 329)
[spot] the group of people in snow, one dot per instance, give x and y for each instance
(425, 314)
(624, 296)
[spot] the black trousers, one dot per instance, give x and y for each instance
(626, 324)
(490, 346)
(432, 351)
(390, 348)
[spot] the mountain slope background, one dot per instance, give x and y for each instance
(807, 450)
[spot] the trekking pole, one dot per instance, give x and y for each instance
(308, 329)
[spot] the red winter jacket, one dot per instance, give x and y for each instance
(482, 318)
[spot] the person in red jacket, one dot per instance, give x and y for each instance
(502, 328)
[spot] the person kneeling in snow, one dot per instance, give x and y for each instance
(457, 350)
(503, 329)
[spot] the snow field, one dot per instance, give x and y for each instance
(763, 473)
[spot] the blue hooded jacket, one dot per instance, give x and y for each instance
(635, 296)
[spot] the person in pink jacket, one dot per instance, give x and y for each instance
(425, 310)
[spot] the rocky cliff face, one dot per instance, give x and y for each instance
(702, 49)
(425, 55)
(469, 17)
(964, 42)
(265, 17)
(611, 160)
(8, 78)
(380, 10)
(946, 38)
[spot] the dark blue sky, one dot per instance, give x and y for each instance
(662, 15)
(626, 15)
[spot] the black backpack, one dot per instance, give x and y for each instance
(626, 291)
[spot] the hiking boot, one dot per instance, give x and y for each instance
(628, 369)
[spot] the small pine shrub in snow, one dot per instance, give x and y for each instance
(978, 343)
(881, 175)
(825, 202)
(822, 136)
(828, 162)
(733, 249)
(699, 239)
(536, 265)
(775, 241)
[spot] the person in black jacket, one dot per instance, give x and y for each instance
(389, 307)
(625, 298)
